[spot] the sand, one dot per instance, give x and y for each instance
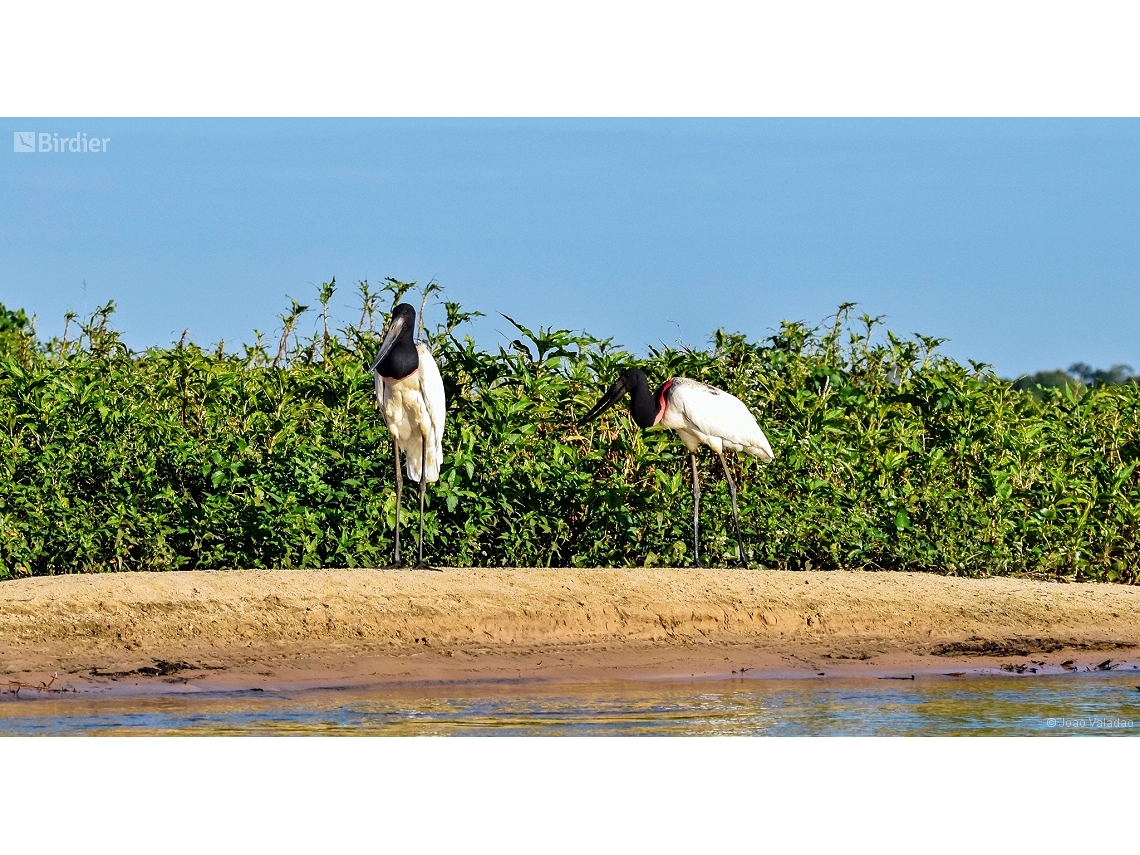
(190, 631)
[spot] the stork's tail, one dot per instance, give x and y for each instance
(434, 458)
(760, 447)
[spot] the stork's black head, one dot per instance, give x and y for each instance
(397, 357)
(642, 406)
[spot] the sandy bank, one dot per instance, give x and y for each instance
(327, 627)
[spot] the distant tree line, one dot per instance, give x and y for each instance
(1078, 377)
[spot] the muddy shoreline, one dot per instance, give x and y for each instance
(247, 630)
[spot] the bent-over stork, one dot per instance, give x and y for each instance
(701, 415)
(410, 391)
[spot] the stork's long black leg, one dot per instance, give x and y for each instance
(399, 491)
(735, 515)
(423, 489)
(696, 512)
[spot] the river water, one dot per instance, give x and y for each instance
(1069, 704)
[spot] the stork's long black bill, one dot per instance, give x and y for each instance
(608, 400)
(393, 334)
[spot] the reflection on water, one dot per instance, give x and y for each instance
(1102, 704)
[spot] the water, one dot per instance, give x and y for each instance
(1092, 704)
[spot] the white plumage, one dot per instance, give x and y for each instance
(413, 409)
(704, 415)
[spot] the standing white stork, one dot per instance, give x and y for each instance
(410, 391)
(701, 415)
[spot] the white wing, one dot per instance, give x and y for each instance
(431, 388)
(716, 418)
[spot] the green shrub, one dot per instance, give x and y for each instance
(888, 456)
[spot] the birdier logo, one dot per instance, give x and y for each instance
(44, 142)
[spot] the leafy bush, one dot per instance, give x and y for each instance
(887, 456)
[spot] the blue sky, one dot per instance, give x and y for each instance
(1019, 240)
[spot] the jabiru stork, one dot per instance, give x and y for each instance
(409, 390)
(701, 415)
